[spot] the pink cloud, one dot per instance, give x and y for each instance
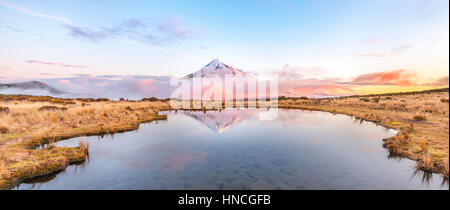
(442, 81)
(57, 64)
(145, 82)
(396, 77)
(312, 87)
(64, 82)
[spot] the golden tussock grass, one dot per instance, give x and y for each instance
(426, 163)
(33, 121)
(84, 148)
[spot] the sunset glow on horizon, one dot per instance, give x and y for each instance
(317, 48)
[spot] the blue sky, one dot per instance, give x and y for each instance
(343, 38)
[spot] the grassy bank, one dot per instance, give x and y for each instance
(29, 122)
(421, 119)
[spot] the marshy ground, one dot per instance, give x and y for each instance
(27, 122)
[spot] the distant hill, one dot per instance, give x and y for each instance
(31, 85)
(438, 90)
(405, 93)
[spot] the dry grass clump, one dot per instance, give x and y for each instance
(3, 130)
(426, 163)
(52, 108)
(33, 123)
(4, 109)
(376, 100)
(397, 144)
(84, 148)
(444, 100)
(423, 145)
(62, 101)
(3, 157)
(419, 117)
(445, 170)
(364, 99)
(410, 128)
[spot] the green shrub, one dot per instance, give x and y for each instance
(150, 99)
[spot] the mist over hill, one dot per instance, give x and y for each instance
(29, 88)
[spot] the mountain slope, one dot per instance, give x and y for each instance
(31, 85)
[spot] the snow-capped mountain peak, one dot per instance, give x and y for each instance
(216, 63)
(216, 68)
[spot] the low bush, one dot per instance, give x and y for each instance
(375, 100)
(4, 109)
(3, 130)
(150, 99)
(364, 99)
(419, 117)
(52, 108)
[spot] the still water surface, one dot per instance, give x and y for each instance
(234, 149)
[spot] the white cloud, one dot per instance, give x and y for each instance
(36, 14)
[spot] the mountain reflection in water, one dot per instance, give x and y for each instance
(233, 149)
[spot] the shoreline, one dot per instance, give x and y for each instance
(404, 144)
(15, 180)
